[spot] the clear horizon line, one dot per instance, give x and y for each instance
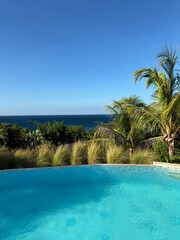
(80, 114)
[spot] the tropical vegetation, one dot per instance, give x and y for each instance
(164, 113)
(136, 123)
(138, 133)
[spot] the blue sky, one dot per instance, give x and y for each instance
(76, 56)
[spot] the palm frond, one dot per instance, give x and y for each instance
(148, 114)
(168, 60)
(107, 131)
(142, 73)
(173, 106)
(112, 110)
(150, 141)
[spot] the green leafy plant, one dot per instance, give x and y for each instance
(58, 133)
(164, 113)
(6, 159)
(33, 139)
(161, 151)
(123, 129)
(175, 159)
(11, 136)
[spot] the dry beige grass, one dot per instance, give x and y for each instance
(79, 153)
(116, 154)
(62, 156)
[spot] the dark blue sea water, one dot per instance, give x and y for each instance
(87, 121)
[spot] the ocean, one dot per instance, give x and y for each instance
(87, 121)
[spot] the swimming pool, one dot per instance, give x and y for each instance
(90, 203)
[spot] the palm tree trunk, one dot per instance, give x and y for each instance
(171, 147)
(130, 153)
(169, 139)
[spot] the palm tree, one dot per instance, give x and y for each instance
(165, 111)
(123, 129)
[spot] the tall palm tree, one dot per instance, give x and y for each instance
(165, 111)
(123, 129)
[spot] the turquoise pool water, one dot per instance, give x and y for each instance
(90, 203)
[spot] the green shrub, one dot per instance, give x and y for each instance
(6, 159)
(175, 159)
(79, 153)
(24, 158)
(143, 157)
(62, 156)
(58, 133)
(75, 133)
(44, 155)
(33, 139)
(161, 151)
(95, 153)
(116, 154)
(11, 136)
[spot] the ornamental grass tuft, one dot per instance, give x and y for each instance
(143, 157)
(79, 153)
(117, 155)
(44, 155)
(62, 156)
(24, 158)
(95, 153)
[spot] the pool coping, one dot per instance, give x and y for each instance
(155, 164)
(82, 165)
(168, 165)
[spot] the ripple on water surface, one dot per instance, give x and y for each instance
(89, 203)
